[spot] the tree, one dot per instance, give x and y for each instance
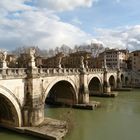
(96, 49)
(65, 49)
(19, 50)
(57, 50)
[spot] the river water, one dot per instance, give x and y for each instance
(117, 119)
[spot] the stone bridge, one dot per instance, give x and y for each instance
(23, 92)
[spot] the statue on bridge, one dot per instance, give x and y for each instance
(32, 54)
(86, 64)
(32, 57)
(4, 56)
(59, 63)
(82, 62)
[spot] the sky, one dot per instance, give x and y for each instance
(52, 23)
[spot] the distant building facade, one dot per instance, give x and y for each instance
(135, 62)
(52, 62)
(135, 56)
(12, 60)
(73, 60)
(114, 58)
(23, 60)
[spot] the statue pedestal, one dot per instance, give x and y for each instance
(32, 64)
(59, 66)
(4, 65)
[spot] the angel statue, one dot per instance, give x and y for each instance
(82, 62)
(4, 56)
(86, 63)
(32, 54)
(3, 59)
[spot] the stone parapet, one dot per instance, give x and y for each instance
(58, 71)
(95, 70)
(12, 73)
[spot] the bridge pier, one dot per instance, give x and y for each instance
(83, 90)
(33, 116)
(106, 85)
(107, 88)
(119, 82)
(33, 110)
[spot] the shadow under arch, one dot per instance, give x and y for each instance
(10, 110)
(61, 93)
(112, 82)
(95, 86)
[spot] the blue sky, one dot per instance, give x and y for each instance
(105, 14)
(51, 23)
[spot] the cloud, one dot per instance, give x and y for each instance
(39, 28)
(25, 23)
(63, 5)
(11, 6)
(124, 37)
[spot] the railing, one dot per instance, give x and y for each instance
(13, 71)
(95, 70)
(55, 71)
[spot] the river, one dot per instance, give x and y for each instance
(117, 119)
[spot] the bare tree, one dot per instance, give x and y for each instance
(19, 50)
(65, 49)
(57, 50)
(96, 49)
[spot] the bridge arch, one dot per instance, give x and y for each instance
(95, 86)
(10, 110)
(112, 82)
(61, 91)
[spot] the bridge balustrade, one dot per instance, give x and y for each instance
(19, 72)
(57, 71)
(13, 71)
(95, 70)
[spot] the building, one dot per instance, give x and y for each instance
(85, 54)
(52, 62)
(39, 61)
(94, 62)
(23, 60)
(12, 60)
(114, 58)
(135, 62)
(129, 62)
(73, 60)
(135, 58)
